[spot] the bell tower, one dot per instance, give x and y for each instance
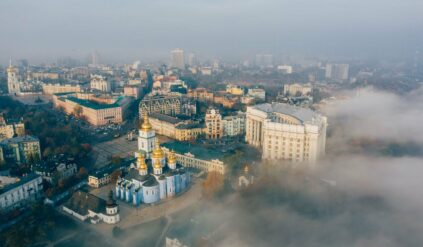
(12, 79)
(146, 136)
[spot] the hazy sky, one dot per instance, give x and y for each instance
(147, 30)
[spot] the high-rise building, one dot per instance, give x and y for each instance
(192, 60)
(13, 85)
(177, 59)
(286, 132)
(214, 128)
(264, 60)
(94, 58)
(339, 72)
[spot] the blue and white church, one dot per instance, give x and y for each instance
(154, 176)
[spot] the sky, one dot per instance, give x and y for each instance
(147, 30)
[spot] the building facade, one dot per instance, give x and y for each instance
(338, 72)
(214, 127)
(56, 168)
(257, 93)
(285, 132)
(297, 89)
(11, 128)
(175, 128)
(22, 149)
(50, 88)
(100, 83)
(85, 206)
(18, 192)
(168, 105)
(94, 111)
(234, 125)
(177, 59)
(13, 85)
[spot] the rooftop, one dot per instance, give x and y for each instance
(81, 202)
(165, 118)
(20, 181)
(92, 104)
(305, 115)
(20, 139)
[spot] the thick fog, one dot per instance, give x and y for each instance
(147, 30)
(349, 199)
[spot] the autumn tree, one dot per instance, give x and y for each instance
(115, 175)
(213, 184)
(82, 172)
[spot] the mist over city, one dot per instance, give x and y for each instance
(211, 123)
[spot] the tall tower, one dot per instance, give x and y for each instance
(146, 136)
(177, 59)
(12, 80)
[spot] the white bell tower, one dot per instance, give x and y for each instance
(12, 80)
(146, 137)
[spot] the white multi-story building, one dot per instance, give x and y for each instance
(286, 132)
(338, 72)
(100, 83)
(17, 192)
(13, 85)
(294, 89)
(234, 125)
(287, 69)
(257, 93)
(177, 59)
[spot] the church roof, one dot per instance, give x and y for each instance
(81, 202)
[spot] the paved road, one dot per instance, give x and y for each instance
(164, 232)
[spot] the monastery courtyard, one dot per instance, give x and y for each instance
(132, 216)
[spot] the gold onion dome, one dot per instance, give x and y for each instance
(141, 161)
(158, 152)
(146, 126)
(246, 169)
(171, 158)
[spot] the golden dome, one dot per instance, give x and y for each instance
(146, 126)
(171, 158)
(157, 165)
(158, 152)
(141, 161)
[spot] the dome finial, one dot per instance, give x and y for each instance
(146, 126)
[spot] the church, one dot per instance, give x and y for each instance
(155, 176)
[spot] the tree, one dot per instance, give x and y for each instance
(213, 184)
(115, 175)
(82, 172)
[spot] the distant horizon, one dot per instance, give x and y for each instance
(229, 30)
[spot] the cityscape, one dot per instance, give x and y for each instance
(227, 123)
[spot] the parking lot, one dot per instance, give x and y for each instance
(117, 147)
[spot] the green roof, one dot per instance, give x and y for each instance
(92, 104)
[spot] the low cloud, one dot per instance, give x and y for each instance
(351, 198)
